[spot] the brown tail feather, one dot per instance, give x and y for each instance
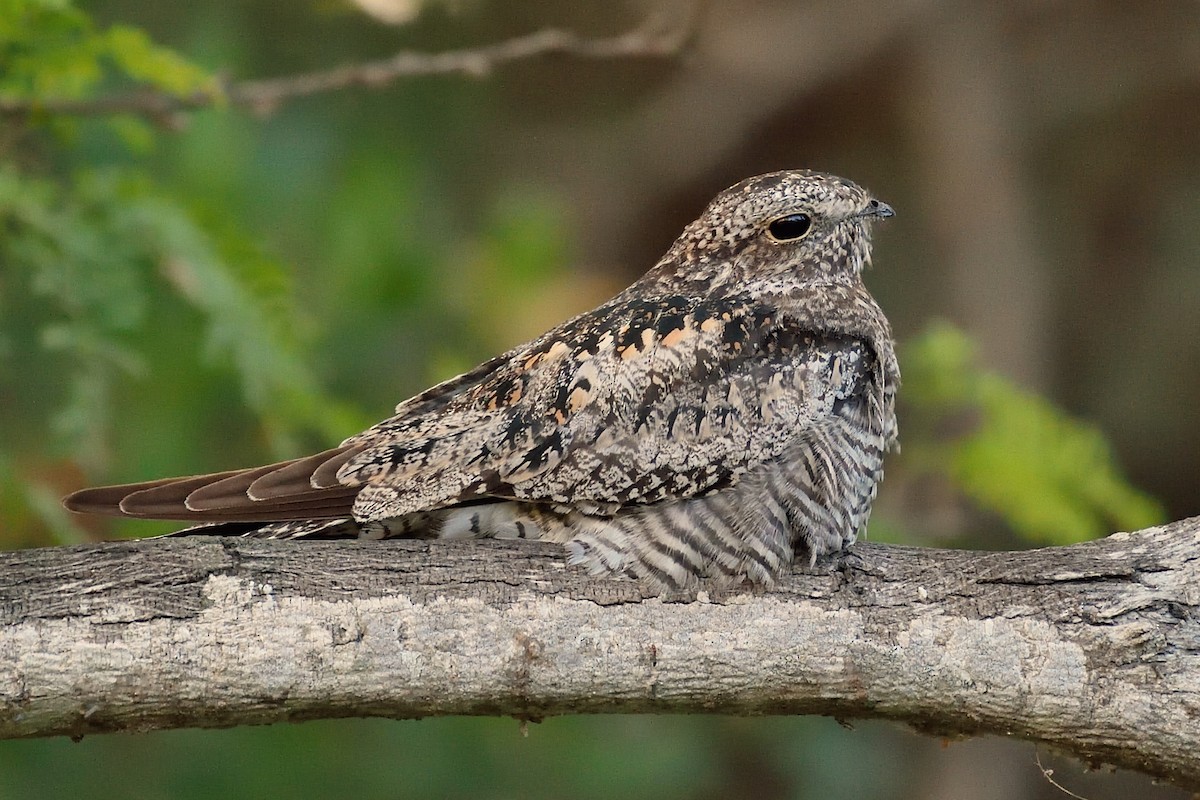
(231, 492)
(227, 496)
(173, 496)
(301, 475)
(107, 499)
(323, 508)
(325, 476)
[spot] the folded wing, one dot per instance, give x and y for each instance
(634, 403)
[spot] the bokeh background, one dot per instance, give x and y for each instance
(216, 289)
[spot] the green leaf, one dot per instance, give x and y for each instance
(1051, 476)
(252, 320)
(99, 253)
(53, 52)
(142, 60)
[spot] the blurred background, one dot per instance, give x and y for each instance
(186, 292)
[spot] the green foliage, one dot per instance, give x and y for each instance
(96, 252)
(52, 52)
(104, 271)
(54, 55)
(141, 60)
(1052, 477)
(246, 298)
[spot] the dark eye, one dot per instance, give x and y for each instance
(790, 228)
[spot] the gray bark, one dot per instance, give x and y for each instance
(1093, 649)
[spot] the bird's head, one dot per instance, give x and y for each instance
(789, 225)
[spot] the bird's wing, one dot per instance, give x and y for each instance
(636, 402)
(300, 489)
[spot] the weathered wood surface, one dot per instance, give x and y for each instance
(1093, 649)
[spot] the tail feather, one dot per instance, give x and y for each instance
(290, 490)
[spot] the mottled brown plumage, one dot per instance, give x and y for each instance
(730, 407)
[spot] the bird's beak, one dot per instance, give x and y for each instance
(876, 208)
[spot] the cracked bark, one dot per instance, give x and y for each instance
(1093, 649)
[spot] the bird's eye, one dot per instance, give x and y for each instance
(789, 228)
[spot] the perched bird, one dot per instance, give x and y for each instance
(729, 409)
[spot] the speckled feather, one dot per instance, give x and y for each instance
(730, 407)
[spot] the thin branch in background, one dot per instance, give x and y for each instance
(655, 38)
(1048, 774)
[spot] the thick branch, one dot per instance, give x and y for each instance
(651, 40)
(1091, 648)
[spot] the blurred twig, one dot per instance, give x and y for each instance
(654, 38)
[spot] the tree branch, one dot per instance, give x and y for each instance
(1094, 648)
(652, 39)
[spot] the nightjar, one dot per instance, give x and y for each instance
(727, 411)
